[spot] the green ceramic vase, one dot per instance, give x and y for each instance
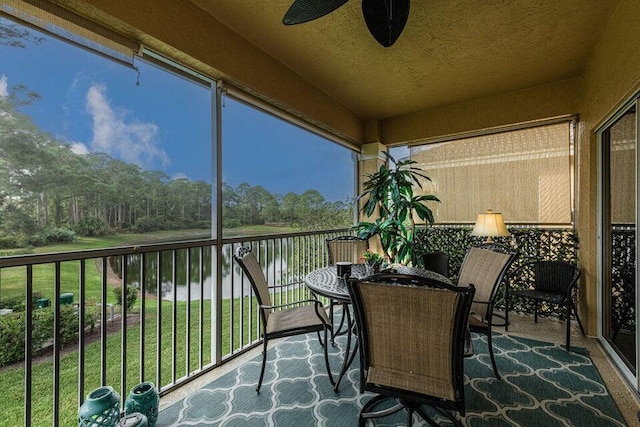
(144, 399)
(100, 409)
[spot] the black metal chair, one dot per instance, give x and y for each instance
(437, 262)
(411, 337)
(485, 266)
(344, 249)
(553, 282)
(282, 320)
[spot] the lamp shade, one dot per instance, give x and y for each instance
(490, 224)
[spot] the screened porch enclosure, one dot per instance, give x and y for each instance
(531, 114)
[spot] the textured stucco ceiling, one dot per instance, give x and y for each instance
(451, 51)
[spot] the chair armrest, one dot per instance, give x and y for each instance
(316, 302)
(317, 305)
(299, 282)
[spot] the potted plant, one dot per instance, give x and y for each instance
(372, 262)
(389, 192)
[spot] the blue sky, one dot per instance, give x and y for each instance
(163, 123)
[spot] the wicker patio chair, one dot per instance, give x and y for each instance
(411, 336)
(437, 262)
(282, 320)
(485, 266)
(344, 249)
(554, 282)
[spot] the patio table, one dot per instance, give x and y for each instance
(325, 282)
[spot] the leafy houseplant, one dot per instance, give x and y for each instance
(389, 192)
(371, 257)
(372, 261)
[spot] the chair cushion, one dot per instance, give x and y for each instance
(258, 281)
(293, 319)
(482, 268)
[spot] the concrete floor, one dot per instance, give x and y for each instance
(549, 330)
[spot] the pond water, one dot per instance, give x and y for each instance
(231, 281)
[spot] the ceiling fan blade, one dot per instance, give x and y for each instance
(385, 19)
(308, 10)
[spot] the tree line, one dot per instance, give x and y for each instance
(44, 184)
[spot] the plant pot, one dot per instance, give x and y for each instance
(144, 399)
(372, 267)
(101, 408)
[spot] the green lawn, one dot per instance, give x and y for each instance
(12, 378)
(12, 282)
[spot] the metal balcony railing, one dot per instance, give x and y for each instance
(193, 312)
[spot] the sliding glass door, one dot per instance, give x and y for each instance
(619, 185)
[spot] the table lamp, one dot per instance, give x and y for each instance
(490, 224)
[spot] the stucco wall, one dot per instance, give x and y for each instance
(555, 99)
(612, 75)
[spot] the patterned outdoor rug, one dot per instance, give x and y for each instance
(542, 385)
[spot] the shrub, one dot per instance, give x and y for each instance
(231, 222)
(12, 327)
(35, 241)
(12, 338)
(58, 235)
(16, 303)
(147, 224)
(8, 242)
(132, 295)
(91, 226)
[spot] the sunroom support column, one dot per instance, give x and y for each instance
(371, 158)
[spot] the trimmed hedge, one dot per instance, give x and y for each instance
(12, 331)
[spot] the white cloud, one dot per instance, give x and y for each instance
(4, 87)
(117, 135)
(180, 175)
(79, 148)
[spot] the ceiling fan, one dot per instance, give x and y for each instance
(385, 19)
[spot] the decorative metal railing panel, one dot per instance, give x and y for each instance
(531, 243)
(623, 285)
(73, 337)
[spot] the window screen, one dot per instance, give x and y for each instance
(526, 174)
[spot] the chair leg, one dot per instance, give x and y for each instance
(336, 331)
(575, 311)
(568, 314)
(326, 357)
(493, 359)
(367, 411)
(264, 363)
(506, 311)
